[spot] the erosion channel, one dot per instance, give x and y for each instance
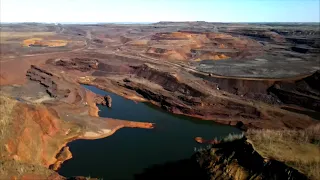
(131, 151)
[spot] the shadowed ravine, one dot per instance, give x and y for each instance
(130, 151)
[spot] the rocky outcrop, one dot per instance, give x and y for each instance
(238, 160)
(103, 100)
(62, 156)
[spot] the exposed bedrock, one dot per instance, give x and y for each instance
(44, 78)
(55, 86)
(167, 80)
(237, 85)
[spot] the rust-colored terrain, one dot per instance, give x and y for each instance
(245, 75)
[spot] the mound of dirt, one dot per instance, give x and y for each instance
(81, 64)
(184, 45)
(44, 43)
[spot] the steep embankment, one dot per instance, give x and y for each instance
(304, 92)
(265, 154)
(225, 100)
(31, 134)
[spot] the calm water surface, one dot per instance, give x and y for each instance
(129, 151)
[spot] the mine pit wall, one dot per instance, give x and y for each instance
(239, 160)
(297, 99)
(166, 80)
(178, 97)
(191, 101)
(314, 81)
(267, 91)
(236, 85)
(304, 93)
(48, 81)
(44, 78)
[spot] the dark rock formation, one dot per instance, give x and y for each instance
(104, 100)
(108, 100)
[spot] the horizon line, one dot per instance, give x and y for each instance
(141, 22)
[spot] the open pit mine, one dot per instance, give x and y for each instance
(162, 100)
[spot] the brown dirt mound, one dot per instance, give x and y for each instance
(44, 43)
(81, 64)
(200, 46)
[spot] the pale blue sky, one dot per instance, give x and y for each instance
(160, 10)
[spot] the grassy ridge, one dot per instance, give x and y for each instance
(299, 149)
